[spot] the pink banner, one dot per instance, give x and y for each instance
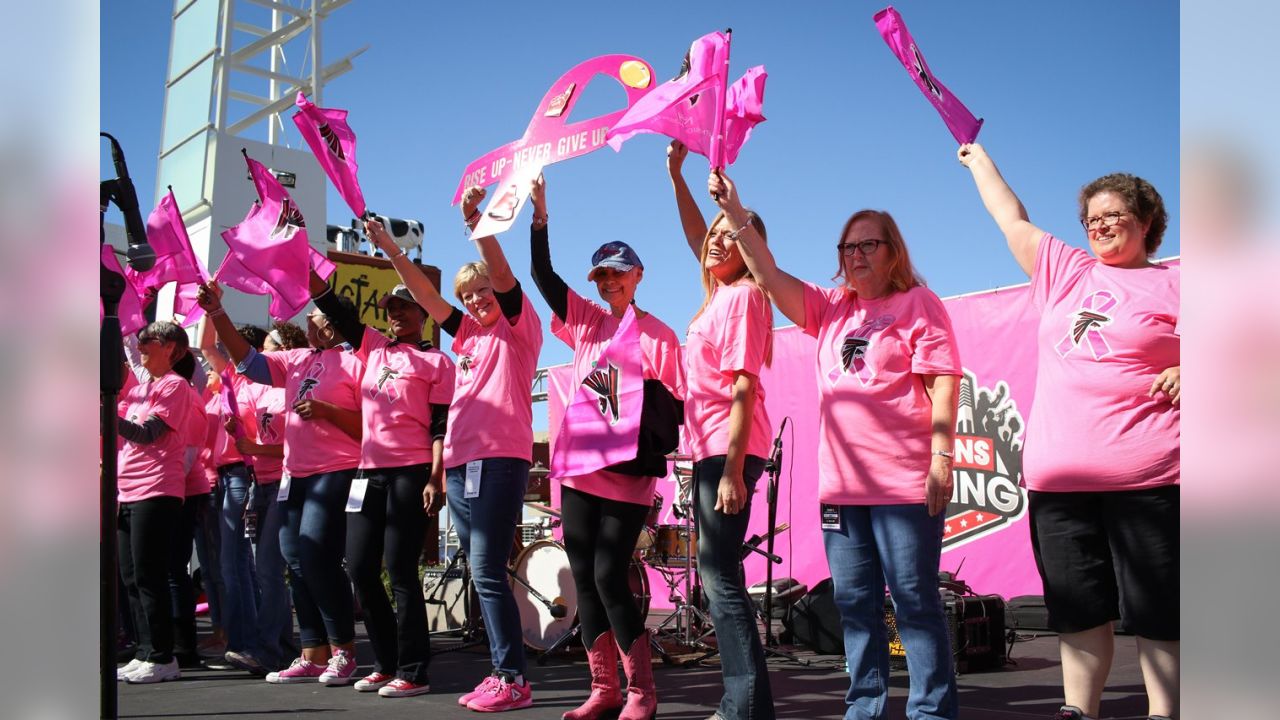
(963, 125)
(333, 143)
(549, 140)
(986, 534)
(605, 411)
(694, 108)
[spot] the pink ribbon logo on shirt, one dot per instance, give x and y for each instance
(384, 385)
(1089, 320)
(854, 349)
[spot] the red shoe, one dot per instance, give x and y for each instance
(373, 682)
(606, 692)
(503, 695)
(403, 688)
(642, 697)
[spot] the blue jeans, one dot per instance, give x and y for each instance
(747, 693)
(486, 527)
(208, 536)
(273, 638)
(240, 592)
(902, 545)
(312, 540)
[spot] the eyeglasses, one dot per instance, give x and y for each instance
(866, 246)
(1103, 220)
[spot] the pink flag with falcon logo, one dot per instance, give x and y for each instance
(699, 107)
(962, 124)
(334, 144)
(268, 250)
(176, 261)
(601, 425)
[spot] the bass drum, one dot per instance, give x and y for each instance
(544, 565)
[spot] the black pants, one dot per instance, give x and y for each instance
(390, 528)
(599, 537)
(144, 530)
(181, 588)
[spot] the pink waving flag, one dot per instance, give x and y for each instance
(176, 261)
(323, 266)
(601, 424)
(234, 274)
(130, 309)
(963, 125)
(268, 250)
(334, 145)
(693, 107)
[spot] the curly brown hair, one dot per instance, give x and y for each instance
(293, 336)
(1140, 197)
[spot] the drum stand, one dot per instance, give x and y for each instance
(685, 612)
(471, 632)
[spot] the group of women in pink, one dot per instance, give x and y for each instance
(391, 428)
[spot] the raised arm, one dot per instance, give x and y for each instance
(786, 291)
(553, 287)
(1003, 205)
(691, 220)
(419, 286)
(209, 346)
(500, 275)
(209, 297)
(345, 318)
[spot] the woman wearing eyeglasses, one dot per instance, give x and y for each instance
(888, 379)
(727, 429)
(1101, 460)
(321, 452)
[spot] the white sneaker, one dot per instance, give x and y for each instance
(149, 672)
(341, 669)
(124, 670)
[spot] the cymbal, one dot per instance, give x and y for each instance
(543, 509)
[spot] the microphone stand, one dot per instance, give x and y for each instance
(773, 466)
(111, 289)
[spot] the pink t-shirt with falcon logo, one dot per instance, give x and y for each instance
(333, 376)
(159, 468)
(401, 381)
(492, 411)
(874, 415)
(269, 413)
(1105, 334)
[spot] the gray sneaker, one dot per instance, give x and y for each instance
(245, 661)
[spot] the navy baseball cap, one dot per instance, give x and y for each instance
(617, 255)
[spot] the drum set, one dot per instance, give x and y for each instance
(545, 593)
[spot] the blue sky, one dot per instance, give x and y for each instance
(1069, 91)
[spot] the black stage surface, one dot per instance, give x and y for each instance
(1028, 688)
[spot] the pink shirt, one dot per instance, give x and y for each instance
(587, 330)
(197, 433)
(874, 415)
(732, 335)
(159, 468)
(1105, 334)
(269, 414)
(401, 381)
(333, 376)
(492, 411)
(224, 450)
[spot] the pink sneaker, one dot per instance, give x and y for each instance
(341, 670)
(502, 696)
(481, 689)
(301, 670)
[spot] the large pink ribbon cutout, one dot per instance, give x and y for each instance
(1089, 320)
(549, 140)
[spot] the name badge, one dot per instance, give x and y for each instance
(355, 498)
(471, 486)
(830, 517)
(282, 493)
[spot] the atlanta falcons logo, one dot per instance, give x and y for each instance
(385, 375)
(923, 72)
(290, 220)
(331, 139)
(464, 364)
(309, 383)
(604, 383)
(1087, 320)
(267, 431)
(854, 348)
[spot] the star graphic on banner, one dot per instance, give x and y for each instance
(964, 523)
(948, 527)
(978, 517)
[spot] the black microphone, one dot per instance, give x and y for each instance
(141, 256)
(557, 610)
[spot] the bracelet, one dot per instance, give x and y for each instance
(217, 313)
(474, 217)
(398, 255)
(540, 219)
(945, 453)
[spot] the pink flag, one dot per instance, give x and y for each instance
(323, 266)
(334, 145)
(231, 407)
(176, 261)
(270, 244)
(234, 274)
(957, 117)
(130, 309)
(601, 424)
(693, 108)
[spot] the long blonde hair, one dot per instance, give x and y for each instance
(709, 282)
(902, 274)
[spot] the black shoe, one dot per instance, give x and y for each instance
(188, 661)
(1070, 712)
(216, 663)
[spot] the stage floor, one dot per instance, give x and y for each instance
(1029, 688)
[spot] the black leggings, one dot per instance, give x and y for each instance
(599, 537)
(390, 528)
(144, 532)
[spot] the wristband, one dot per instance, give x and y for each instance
(400, 254)
(216, 313)
(945, 453)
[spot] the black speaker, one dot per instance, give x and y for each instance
(815, 621)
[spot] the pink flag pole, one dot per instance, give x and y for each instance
(717, 131)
